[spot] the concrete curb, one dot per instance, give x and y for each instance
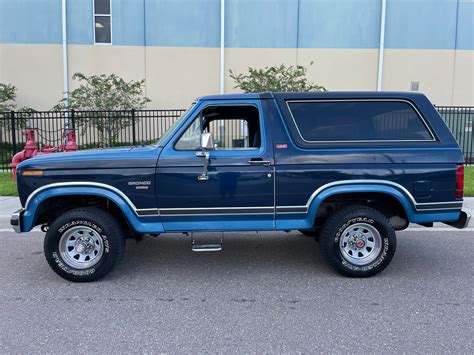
(9, 204)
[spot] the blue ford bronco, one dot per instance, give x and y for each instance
(347, 168)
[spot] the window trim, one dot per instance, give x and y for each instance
(420, 116)
(249, 149)
(93, 24)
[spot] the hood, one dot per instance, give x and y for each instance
(107, 158)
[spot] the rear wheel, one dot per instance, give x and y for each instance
(358, 241)
(84, 244)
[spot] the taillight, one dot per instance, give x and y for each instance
(460, 181)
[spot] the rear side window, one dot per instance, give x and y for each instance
(342, 121)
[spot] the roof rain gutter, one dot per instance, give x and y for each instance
(381, 46)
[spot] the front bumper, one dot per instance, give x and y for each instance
(462, 222)
(15, 220)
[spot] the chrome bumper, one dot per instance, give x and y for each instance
(15, 220)
(462, 222)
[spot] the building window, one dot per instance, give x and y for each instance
(102, 22)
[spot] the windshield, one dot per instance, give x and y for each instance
(173, 126)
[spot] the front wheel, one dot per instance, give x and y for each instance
(84, 244)
(358, 241)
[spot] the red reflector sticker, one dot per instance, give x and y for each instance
(282, 146)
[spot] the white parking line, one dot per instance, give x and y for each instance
(11, 230)
(438, 229)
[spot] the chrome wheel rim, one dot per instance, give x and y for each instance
(81, 247)
(360, 244)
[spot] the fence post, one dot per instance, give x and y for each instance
(134, 138)
(73, 121)
(12, 114)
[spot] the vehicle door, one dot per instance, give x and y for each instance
(226, 185)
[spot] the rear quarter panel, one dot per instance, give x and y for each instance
(426, 169)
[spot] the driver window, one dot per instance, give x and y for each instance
(232, 128)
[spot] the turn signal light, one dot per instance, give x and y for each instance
(32, 173)
(460, 181)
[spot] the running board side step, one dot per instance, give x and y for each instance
(202, 242)
(207, 247)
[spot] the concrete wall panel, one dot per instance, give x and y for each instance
(176, 76)
(434, 69)
(80, 21)
(30, 21)
(335, 69)
(339, 24)
(125, 61)
(36, 71)
(187, 23)
(263, 23)
(341, 69)
(240, 59)
(463, 88)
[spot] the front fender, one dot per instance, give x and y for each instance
(30, 214)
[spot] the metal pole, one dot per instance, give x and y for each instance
(222, 46)
(381, 46)
(65, 64)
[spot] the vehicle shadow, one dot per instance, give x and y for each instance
(242, 254)
(265, 255)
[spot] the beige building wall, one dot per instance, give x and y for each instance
(335, 69)
(175, 76)
(445, 76)
(240, 59)
(341, 69)
(125, 61)
(463, 81)
(36, 71)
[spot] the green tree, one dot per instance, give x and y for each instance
(108, 100)
(281, 78)
(7, 97)
(7, 104)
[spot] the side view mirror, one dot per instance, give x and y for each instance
(207, 143)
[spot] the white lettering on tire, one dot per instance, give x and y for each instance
(68, 270)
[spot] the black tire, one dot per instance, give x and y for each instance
(311, 233)
(341, 248)
(102, 233)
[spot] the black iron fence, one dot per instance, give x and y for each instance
(97, 129)
(93, 129)
(460, 120)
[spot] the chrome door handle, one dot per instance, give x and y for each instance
(259, 162)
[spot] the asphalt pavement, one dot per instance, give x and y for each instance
(266, 292)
